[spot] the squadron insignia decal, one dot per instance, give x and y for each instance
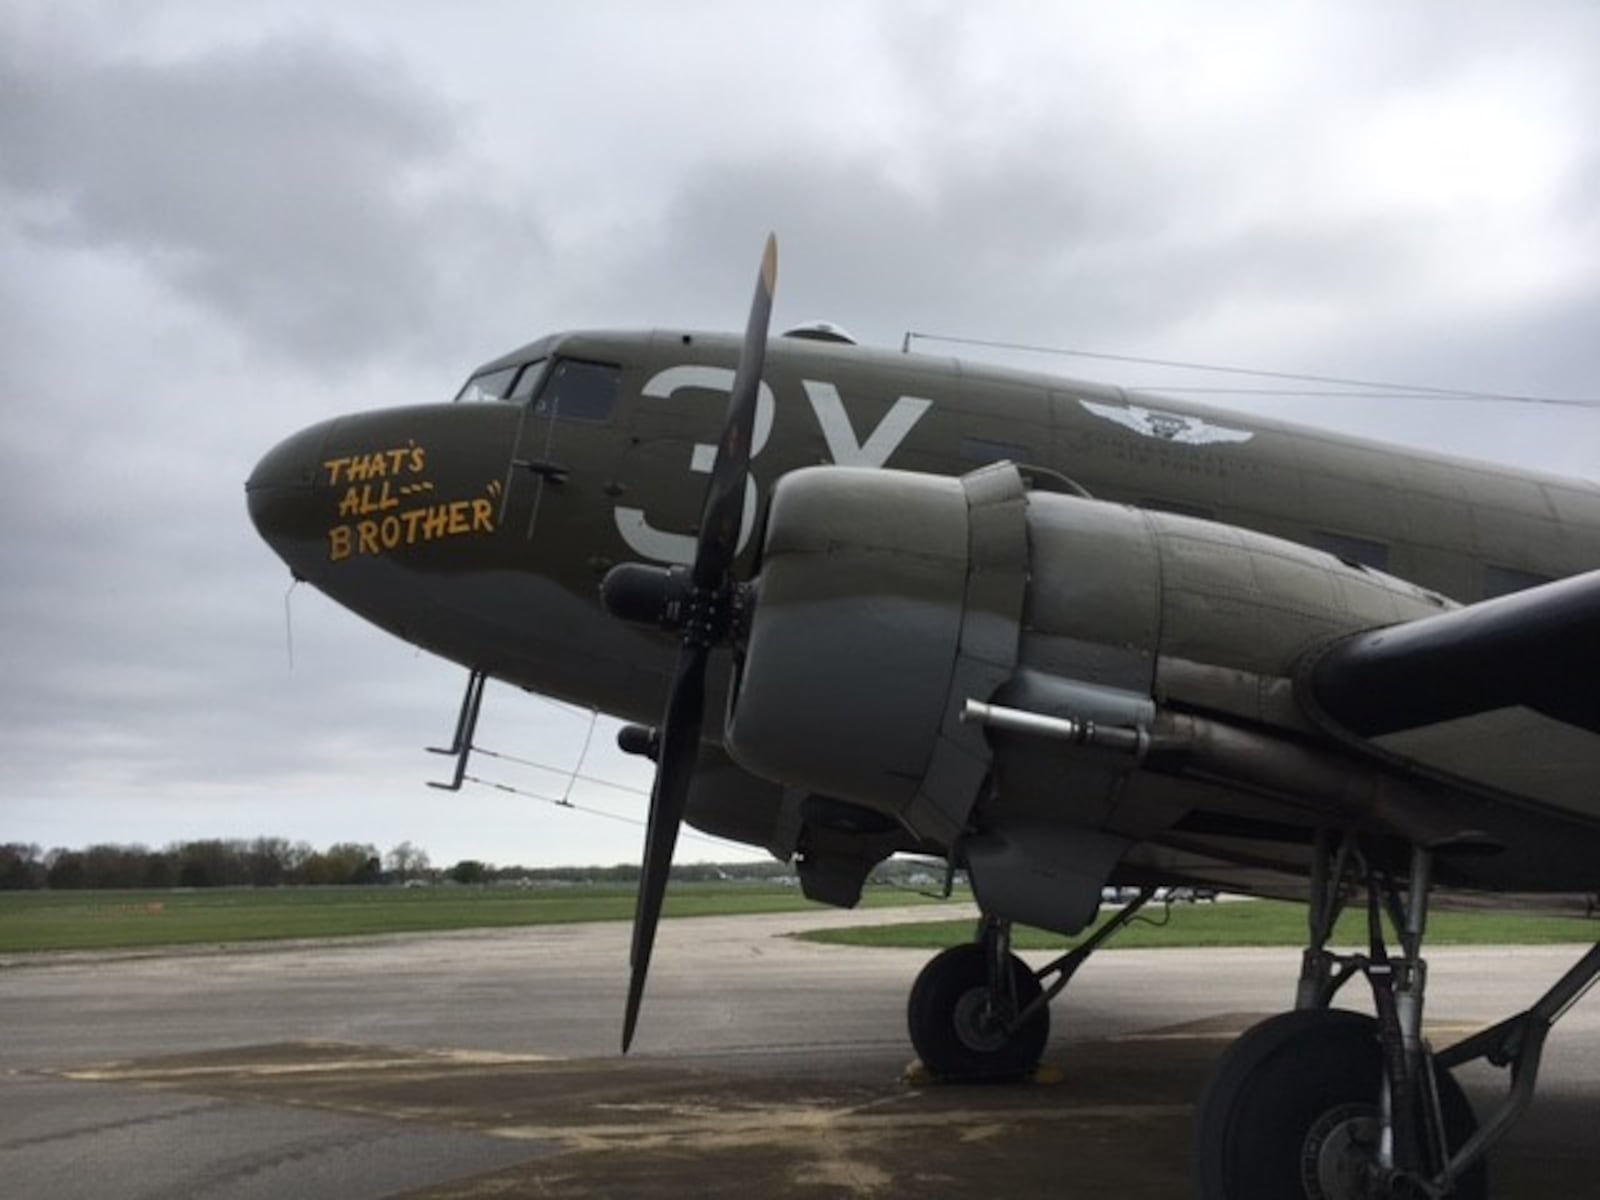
(1167, 426)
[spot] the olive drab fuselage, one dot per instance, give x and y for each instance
(503, 518)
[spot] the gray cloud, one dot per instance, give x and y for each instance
(247, 218)
(291, 185)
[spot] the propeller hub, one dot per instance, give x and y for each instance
(647, 595)
(666, 598)
(641, 740)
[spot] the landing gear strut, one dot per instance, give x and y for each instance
(1322, 1104)
(978, 1013)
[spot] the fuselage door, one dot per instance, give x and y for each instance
(566, 445)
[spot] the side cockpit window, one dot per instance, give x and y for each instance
(576, 390)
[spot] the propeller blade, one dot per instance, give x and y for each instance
(724, 506)
(679, 746)
(708, 592)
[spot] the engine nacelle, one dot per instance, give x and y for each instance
(886, 600)
(878, 608)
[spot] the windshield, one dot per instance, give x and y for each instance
(498, 383)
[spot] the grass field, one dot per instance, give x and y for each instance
(38, 921)
(1256, 923)
(83, 920)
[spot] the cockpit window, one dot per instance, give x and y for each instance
(579, 391)
(491, 385)
(527, 381)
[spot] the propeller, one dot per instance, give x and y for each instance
(700, 603)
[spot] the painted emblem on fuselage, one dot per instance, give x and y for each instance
(1166, 426)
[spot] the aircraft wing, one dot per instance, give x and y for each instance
(1505, 693)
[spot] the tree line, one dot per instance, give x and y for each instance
(279, 862)
(211, 862)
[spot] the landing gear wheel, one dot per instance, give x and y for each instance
(1291, 1112)
(953, 1025)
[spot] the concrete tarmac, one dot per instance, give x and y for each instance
(484, 1064)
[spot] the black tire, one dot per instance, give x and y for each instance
(944, 1016)
(1287, 1094)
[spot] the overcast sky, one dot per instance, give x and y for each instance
(221, 222)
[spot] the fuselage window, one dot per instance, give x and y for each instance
(491, 385)
(1502, 581)
(1179, 508)
(1356, 551)
(984, 451)
(580, 391)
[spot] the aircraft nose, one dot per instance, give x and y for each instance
(279, 494)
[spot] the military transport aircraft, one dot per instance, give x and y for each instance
(1058, 634)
